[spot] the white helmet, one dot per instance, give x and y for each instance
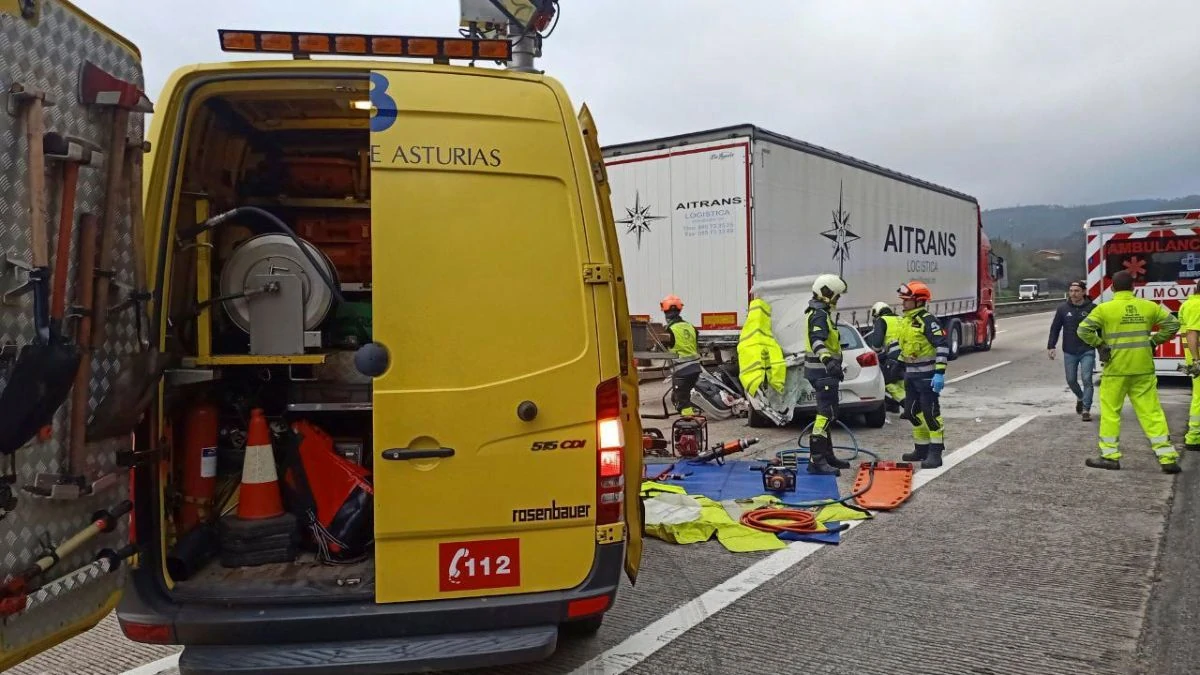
(829, 287)
(879, 308)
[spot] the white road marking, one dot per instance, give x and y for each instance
(1005, 330)
(155, 667)
(973, 373)
(639, 646)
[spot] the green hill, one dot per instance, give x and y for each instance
(1042, 225)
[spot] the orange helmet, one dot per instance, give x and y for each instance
(914, 290)
(671, 301)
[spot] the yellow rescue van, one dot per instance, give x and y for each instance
(384, 415)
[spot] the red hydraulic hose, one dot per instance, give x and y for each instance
(800, 522)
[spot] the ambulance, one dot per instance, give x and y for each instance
(1161, 249)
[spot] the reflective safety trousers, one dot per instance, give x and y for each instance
(1142, 391)
(1189, 319)
(1124, 325)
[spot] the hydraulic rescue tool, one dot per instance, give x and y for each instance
(720, 451)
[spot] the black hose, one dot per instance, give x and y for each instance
(844, 501)
(222, 218)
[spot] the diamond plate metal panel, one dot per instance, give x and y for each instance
(49, 56)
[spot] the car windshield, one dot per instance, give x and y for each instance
(1028, 288)
(849, 337)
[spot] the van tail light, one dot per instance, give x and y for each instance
(577, 609)
(149, 633)
(867, 359)
(610, 454)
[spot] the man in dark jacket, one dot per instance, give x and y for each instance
(1079, 358)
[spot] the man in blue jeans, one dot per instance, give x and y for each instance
(1079, 358)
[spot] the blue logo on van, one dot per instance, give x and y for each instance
(384, 104)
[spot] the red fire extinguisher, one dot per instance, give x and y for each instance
(200, 430)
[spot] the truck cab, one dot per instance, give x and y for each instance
(1033, 289)
(368, 448)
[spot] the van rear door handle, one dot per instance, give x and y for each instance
(399, 454)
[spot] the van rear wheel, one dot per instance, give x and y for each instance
(582, 628)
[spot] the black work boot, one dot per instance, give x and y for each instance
(1171, 467)
(818, 457)
(919, 454)
(1078, 407)
(1191, 446)
(1102, 463)
(934, 460)
(831, 458)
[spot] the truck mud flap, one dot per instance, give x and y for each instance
(365, 657)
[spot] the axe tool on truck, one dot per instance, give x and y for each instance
(137, 378)
(41, 378)
(100, 88)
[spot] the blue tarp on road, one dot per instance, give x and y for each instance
(735, 480)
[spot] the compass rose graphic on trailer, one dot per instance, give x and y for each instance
(839, 234)
(639, 218)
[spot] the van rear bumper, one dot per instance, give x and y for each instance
(327, 628)
(404, 655)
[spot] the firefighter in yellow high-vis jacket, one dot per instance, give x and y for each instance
(1122, 332)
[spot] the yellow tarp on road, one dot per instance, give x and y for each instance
(674, 516)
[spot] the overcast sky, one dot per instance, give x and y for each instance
(1013, 101)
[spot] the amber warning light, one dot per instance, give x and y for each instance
(364, 45)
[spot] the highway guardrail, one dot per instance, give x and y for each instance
(1027, 306)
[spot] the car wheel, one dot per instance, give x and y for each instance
(758, 420)
(877, 417)
(582, 628)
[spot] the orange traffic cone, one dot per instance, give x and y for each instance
(259, 496)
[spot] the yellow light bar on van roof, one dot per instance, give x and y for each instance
(437, 48)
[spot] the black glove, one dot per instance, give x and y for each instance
(833, 366)
(1104, 352)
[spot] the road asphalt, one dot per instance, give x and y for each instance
(1015, 558)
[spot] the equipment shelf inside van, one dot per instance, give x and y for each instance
(262, 330)
(404, 380)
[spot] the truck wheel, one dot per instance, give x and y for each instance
(877, 417)
(989, 335)
(955, 340)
